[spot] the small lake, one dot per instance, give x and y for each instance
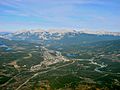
(8, 49)
(72, 55)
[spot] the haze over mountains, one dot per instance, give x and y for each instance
(55, 34)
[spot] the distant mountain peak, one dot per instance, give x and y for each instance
(63, 31)
(52, 34)
(48, 30)
(102, 32)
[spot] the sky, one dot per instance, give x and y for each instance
(74, 14)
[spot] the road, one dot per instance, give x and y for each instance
(27, 57)
(9, 80)
(43, 73)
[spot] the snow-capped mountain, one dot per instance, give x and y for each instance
(65, 35)
(37, 34)
(101, 32)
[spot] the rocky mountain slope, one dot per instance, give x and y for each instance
(54, 34)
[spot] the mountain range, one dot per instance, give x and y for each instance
(60, 35)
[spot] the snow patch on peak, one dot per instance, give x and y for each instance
(61, 31)
(101, 32)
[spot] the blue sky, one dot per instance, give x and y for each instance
(75, 14)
